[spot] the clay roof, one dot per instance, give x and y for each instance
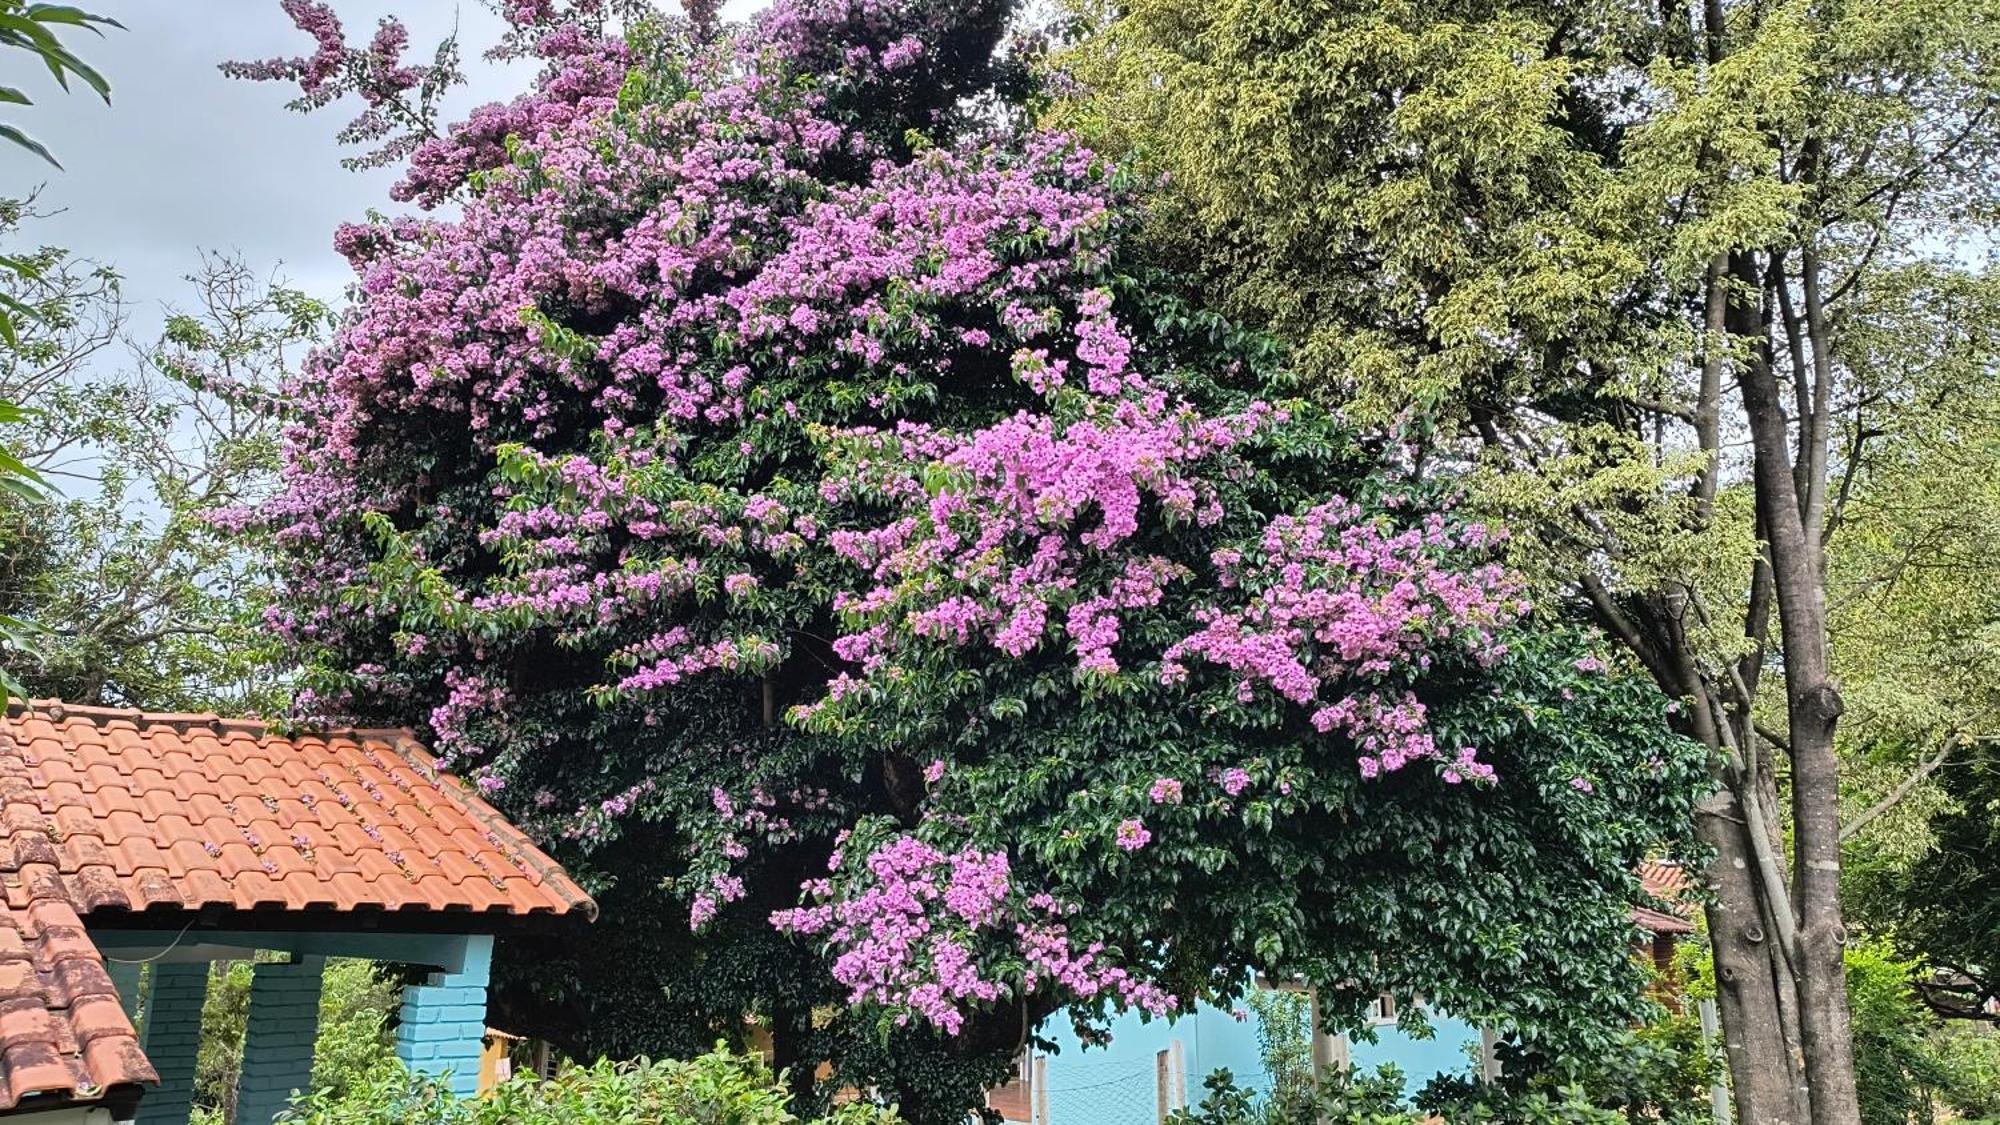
(1667, 882)
(125, 818)
(141, 813)
(64, 1035)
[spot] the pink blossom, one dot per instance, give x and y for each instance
(1133, 835)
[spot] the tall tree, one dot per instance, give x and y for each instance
(1618, 256)
(783, 486)
(137, 597)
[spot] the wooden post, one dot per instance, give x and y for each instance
(1041, 1090)
(1718, 1097)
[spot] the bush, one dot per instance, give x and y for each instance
(1971, 1057)
(1377, 1099)
(718, 1088)
(354, 1037)
(1898, 1074)
(1659, 1072)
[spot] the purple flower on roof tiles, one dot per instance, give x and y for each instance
(212, 848)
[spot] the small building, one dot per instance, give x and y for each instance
(1143, 1069)
(139, 848)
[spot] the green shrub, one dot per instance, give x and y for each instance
(1284, 1041)
(716, 1089)
(354, 1038)
(1970, 1053)
(1377, 1099)
(1897, 1073)
(1659, 1072)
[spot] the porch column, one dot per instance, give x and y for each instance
(444, 1020)
(278, 1040)
(125, 977)
(173, 1039)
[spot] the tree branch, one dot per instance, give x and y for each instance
(1903, 789)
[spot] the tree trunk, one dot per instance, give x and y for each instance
(1764, 1063)
(1813, 708)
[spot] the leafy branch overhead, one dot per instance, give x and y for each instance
(38, 30)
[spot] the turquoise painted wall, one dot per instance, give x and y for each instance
(444, 1020)
(1114, 1084)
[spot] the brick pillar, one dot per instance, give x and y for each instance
(125, 977)
(278, 1041)
(173, 1038)
(444, 1020)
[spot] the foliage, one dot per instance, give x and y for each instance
(38, 30)
(353, 1049)
(138, 598)
(1661, 1070)
(1970, 1053)
(717, 1088)
(1285, 1047)
(784, 489)
(1947, 901)
(1686, 283)
(1920, 645)
(1896, 1067)
(1377, 1099)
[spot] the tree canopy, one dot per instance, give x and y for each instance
(1685, 283)
(787, 485)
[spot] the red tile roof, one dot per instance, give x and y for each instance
(118, 815)
(1667, 882)
(63, 1032)
(138, 812)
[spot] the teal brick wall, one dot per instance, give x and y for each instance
(173, 1038)
(278, 1041)
(444, 1020)
(125, 977)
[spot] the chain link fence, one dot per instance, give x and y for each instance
(1111, 1092)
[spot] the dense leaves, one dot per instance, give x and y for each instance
(716, 1087)
(795, 501)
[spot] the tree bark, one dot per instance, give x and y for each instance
(1764, 1064)
(1813, 708)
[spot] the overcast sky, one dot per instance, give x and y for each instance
(185, 160)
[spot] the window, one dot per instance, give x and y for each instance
(1384, 1010)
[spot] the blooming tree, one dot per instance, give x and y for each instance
(782, 486)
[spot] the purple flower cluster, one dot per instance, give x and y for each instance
(912, 929)
(662, 395)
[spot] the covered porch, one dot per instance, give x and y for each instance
(141, 849)
(440, 1030)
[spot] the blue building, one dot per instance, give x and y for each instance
(1148, 1067)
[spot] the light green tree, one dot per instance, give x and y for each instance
(139, 596)
(1676, 283)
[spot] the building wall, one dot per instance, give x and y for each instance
(1116, 1083)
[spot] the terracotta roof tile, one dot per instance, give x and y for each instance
(212, 805)
(106, 812)
(1667, 883)
(63, 1033)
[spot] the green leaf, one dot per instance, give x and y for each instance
(9, 132)
(75, 17)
